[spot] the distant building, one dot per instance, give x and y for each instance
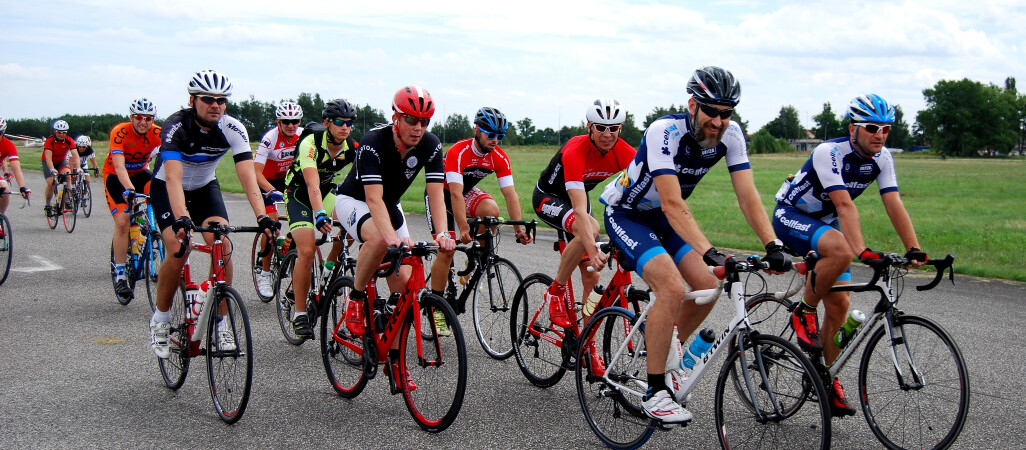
(805, 145)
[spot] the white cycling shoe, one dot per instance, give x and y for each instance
(663, 408)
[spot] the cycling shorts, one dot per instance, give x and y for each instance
(352, 213)
(114, 190)
(643, 235)
(202, 203)
(802, 232)
(471, 201)
(301, 214)
(278, 185)
(58, 167)
(556, 211)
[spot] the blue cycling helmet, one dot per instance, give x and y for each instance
(491, 120)
(870, 108)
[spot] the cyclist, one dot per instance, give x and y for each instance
(561, 198)
(184, 188)
(9, 155)
(320, 157)
(57, 151)
(389, 158)
(466, 163)
(647, 215)
(275, 153)
(86, 155)
(816, 205)
(125, 171)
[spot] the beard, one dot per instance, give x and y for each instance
(709, 141)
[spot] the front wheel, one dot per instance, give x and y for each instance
(433, 373)
(537, 343)
(6, 249)
(493, 299)
(69, 210)
(229, 354)
(154, 259)
(54, 207)
(176, 367)
(769, 395)
(924, 401)
(256, 265)
(341, 350)
(86, 199)
(285, 298)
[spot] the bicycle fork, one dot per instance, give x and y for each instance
(897, 337)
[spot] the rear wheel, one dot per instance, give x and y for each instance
(256, 267)
(285, 299)
(86, 197)
(434, 382)
(69, 210)
(176, 367)
(229, 354)
(537, 343)
(341, 351)
(493, 299)
(6, 249)
(154, 260)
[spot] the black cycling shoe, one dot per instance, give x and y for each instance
(123, 290)
(302, 327)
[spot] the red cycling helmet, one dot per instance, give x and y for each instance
(413, 101)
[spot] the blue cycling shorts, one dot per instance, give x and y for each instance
(643, 235)
(801, 232)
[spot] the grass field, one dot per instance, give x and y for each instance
(967, 207)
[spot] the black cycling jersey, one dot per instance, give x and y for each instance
(378, 162)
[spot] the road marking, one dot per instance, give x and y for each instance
(44, 265)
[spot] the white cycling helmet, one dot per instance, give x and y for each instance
(3, 125)
(143, 106)
(606, 111)
(288, 109)
(60, 125)
(210, 82)
(83, 141)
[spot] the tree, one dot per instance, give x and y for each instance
(525, 128)
(455, 128)
(254, 114)
(312, 105)
(659, 111)
(901, 134)
(366, 118)
(828, 126)
(764, 142)
(631, 133)
(786, 125)
(964, 116)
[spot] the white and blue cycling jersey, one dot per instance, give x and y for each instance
(835, 165)
(669, 148)
(199, 150)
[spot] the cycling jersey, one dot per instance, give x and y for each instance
(378, 162)
(466, 165)
(61, 149)
(85, 152)
(199, 150)
(313, 153)
(276, 152)
(8, 150)
(669, 148)
(835, 165)
(136, 148)
(579, 165)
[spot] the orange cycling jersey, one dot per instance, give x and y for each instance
(60, 149)
(135, 147)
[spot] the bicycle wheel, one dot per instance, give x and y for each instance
(770, 315)
(615, 416)
(6, 249)
(341, 351)
(154, 260)
(537, 344)
(493, 297)
(256, 267)
(176, 367)
(55, 212)
(433, 383)
(86, 199)
(69, 210)
(926, 406)
(792, 403)
(285, 299)
(128, 276)
(229, 354)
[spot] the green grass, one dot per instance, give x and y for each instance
(967, 207)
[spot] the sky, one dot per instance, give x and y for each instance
(546, 60)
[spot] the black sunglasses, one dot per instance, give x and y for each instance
(411, 120)
(713, 111)
(289, 121)
(211, 100)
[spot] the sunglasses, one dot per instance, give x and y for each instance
(603, 128)
(492, 136)
(341, 122)
(211, 100)
(415, 120)
(143, 118)
(873, 128)
(713, 111)
(289, 121)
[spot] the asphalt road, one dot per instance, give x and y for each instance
(77, 371)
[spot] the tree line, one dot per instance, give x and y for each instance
(961, 118)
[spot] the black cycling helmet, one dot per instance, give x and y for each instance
(339, 107)
(716, 86)
(491, 120)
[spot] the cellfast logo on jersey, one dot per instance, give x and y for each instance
(638, 188)
(793, 223)
(795, 191)
(833, 161)
(620, 233)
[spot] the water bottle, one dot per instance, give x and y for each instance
(285, 244)
(673, 359)
(279, 243)
(329, 266)
(593, 300)
(194, 299)
(464, 279)
(698, 347)
(135, 239)
(848, 328)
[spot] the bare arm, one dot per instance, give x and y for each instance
(258, 168)
(244, 169)
(121, 172)
(588, 229)
(900, 219)
(513, 208)
(679, 214)
(848, 218)
(751, 205)
(18, 176)
(459, 211)
(436, 202)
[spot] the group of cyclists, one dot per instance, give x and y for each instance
(647, 214)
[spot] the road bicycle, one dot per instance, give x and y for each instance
(912, 378)
(767, 392)
(320, 278)
(281, 248)
(145, 254)
(489, 281)
(544, 351)
(213, 324)
(84, 193)
(431, 372)
(62, 204)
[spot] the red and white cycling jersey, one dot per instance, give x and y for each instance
(276, 152)
(466, 165)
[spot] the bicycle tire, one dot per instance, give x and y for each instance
(615, 417)
(114, 276)
(926, 416)
(86, 194)
(229, 371)
(6, 247)
(341, 351)
(284, 299)
(66, 212)
(175, 368)
(256, 267)
(770, 315)
(536, 344)
(775, 366)
(493, 298)
(154, 261)
(440, 373)
(52, 217)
